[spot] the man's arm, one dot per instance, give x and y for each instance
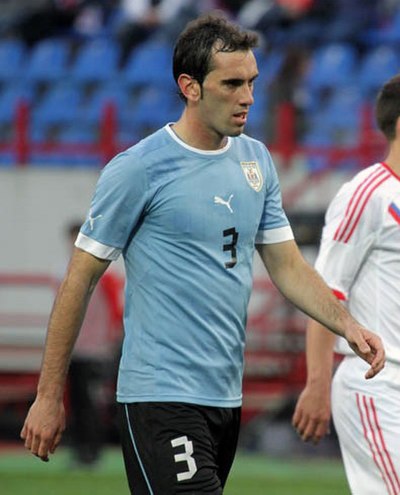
(312, 414)
(45, 421)
(303, 286)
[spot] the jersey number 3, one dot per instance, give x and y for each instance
(231, 245)
(186, 456)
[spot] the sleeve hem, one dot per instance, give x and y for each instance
(96, 248)
(273, 236)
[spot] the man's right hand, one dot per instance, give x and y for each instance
(312, 414)
(43, 427)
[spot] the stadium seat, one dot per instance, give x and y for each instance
(256, 125)
(269, 64)
(377, 65)
(48, 61)
(387, 34)
(336, 125)
(74, 146)
(10, 96)
(341, 116)
(81, 140)
(155, 107)
(115, 93)
(59, 106)
(12, 57)
(149, 64)
(331, 66)
(96, 62)
(343, 110)
(316, 141)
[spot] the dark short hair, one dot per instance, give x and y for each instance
(387, 107)
(194, 47)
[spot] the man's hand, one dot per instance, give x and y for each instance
(368, 346)
(43, 427)
(312, 414)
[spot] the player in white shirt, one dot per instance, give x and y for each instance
(359, 258)
(186, 207)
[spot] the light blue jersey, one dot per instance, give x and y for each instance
(186, 222)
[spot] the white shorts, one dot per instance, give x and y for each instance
(366, 414)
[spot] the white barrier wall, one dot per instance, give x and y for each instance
(36, 206)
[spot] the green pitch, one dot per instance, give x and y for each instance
(22, 474)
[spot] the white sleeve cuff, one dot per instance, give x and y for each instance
(272, 236)
(96, 248)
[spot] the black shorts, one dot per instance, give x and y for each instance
(175, 448)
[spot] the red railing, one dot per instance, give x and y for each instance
(369, 148)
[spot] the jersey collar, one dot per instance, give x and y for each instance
(174, 136)
(390, 170)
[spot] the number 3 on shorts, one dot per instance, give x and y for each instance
(186, 456)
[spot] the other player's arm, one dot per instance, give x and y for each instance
(45, 421)
(304, 287)
(312, 414)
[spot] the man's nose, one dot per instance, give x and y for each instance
(247, 96)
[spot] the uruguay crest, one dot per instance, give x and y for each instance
(253, 175)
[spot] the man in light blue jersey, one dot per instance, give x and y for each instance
(186, 208)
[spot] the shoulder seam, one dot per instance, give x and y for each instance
(358, 202)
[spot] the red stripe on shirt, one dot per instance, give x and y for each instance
(374, 445)
(390, 170)
(358, 194)
(363, 206)
(339, 295)
(371, 448)
(383, 443)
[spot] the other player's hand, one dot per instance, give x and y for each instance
(43, 427)
(369, 347)
(311, 418)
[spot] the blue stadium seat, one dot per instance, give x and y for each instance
(114, 92)
(377, 66)
(339, 119)
(334, 127)
(80, 139)
(387, 34)
(73, 147)
(256, 125)
(149, 64)
(10, 96)
(48, 61)
(331, 66)
(59, 106)
(96, 62)
(127, 137)
(269, 64)
(154, 108)
(343, 109)
(318, 142)
(12, 57)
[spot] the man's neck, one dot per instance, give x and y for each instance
(197, 136)
(393, 157)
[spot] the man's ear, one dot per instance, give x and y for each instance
(190, 88)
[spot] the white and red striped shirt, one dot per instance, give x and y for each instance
(359, 256)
